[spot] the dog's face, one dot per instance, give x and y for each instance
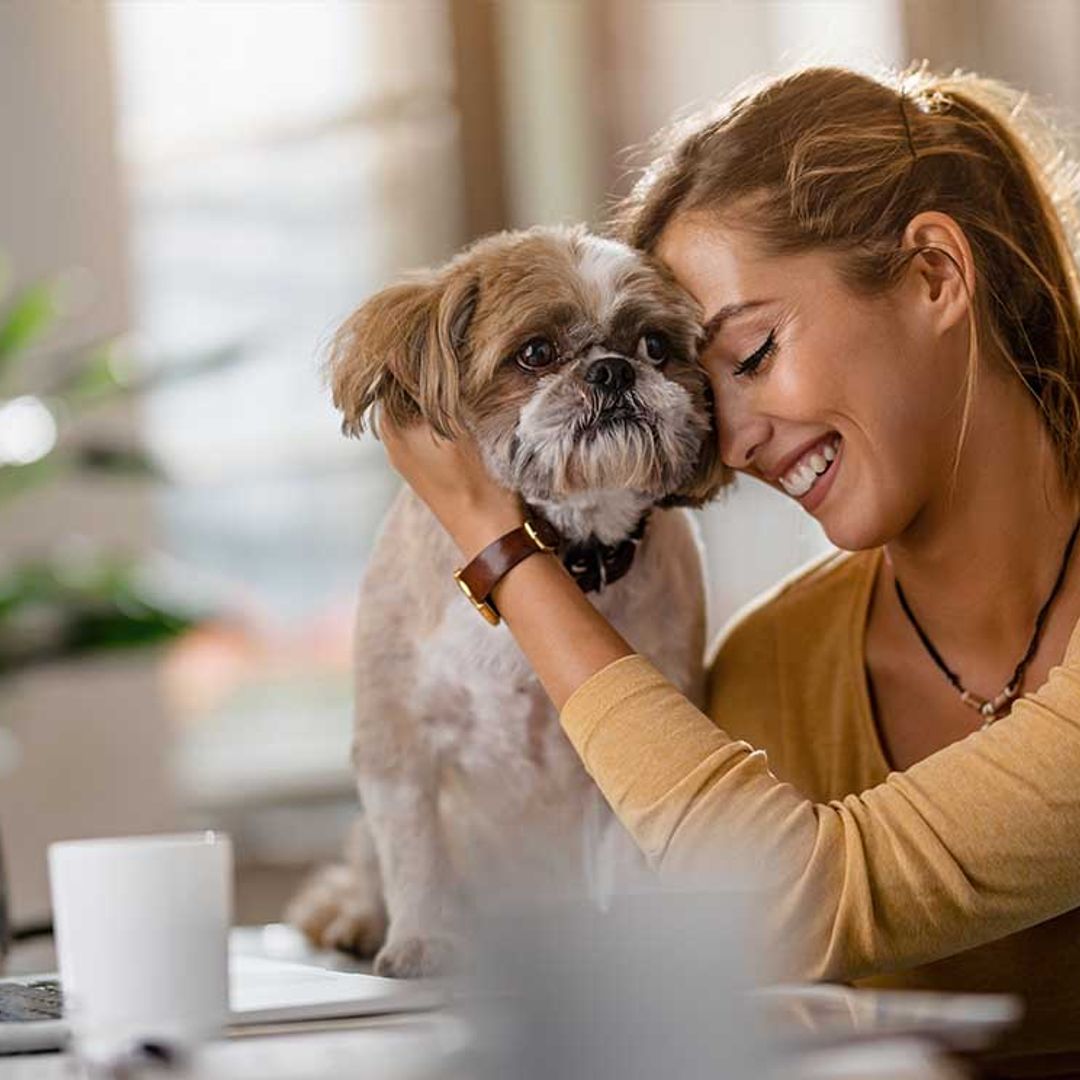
(571, 359)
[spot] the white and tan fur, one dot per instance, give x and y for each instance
(469, 788)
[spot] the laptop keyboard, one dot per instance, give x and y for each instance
(30, 1001)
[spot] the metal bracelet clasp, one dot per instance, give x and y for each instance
(483, 606)
(535, 537)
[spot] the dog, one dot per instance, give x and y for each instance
(572, 361)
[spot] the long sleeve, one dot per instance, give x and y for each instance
(977, 841)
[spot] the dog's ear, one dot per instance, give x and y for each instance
(402, 350)
(710, 475)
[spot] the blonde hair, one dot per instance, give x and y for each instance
(829, 158)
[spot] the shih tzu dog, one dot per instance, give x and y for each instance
(572, 361)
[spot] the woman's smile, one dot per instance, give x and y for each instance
(822, 482)
(797, 472)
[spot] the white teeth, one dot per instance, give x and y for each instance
(798, 482)
(802, 477)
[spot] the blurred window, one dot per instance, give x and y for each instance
(282, 160)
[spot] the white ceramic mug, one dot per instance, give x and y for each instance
(141, 928)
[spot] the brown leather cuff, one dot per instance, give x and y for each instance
(482, 574)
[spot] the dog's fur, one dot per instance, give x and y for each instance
(466, 780)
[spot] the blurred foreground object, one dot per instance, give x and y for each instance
(673, 980)
(654, 986)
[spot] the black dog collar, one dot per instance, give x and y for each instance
(593, 564)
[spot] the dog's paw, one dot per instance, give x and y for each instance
(414, 956)
(335, 910)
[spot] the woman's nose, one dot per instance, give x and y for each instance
(742, 430)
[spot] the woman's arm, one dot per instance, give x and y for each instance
(977, 841)
(565, 639)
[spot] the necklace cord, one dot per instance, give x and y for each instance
(1014, 683)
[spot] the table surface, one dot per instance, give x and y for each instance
(428, 1045)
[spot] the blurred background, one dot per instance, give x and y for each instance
(193, 195)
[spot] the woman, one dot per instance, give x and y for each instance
(892, 339)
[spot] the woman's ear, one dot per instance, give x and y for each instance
(942, 268)
(402, 350)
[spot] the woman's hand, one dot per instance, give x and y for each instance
(563, 636)
(450, 476)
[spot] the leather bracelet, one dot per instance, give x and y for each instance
(477, 579)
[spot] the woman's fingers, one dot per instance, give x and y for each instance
(450, 476)
(408, 444)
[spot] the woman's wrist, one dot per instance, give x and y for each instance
(565, 638)
(473, 525)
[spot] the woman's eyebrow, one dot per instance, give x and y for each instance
(728, 311)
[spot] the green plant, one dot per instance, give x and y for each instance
(66, 602)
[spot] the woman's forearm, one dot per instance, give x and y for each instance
(564, 638)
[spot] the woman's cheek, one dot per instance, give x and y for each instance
(797, 392)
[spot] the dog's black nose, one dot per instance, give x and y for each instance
(610, 373)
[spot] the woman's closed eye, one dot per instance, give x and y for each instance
(750, 365)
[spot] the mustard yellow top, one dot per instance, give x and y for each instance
(960, 873)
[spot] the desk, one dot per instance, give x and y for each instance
(424, 1046)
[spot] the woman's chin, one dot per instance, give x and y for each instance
(855, 529)
(851, 517)
(846, 540)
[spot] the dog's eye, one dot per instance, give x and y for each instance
(654, 347)
(536, 354)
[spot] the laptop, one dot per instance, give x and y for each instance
(263, 989)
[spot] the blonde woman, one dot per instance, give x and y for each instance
(893, 340)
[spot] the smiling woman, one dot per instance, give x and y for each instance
(811, 368)
(893, 341)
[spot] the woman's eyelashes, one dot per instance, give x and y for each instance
(750, 365)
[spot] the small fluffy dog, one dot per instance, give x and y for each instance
(572, 361)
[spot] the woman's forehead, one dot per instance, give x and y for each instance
(727, 270)
(711, 260)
